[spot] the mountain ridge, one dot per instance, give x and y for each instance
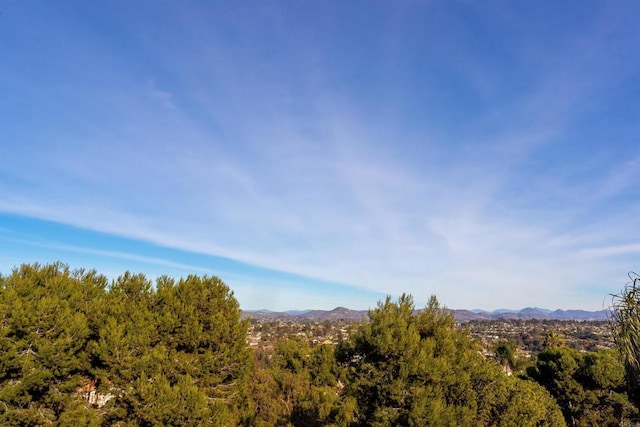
(460, 315)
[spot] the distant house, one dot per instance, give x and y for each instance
(89, 393)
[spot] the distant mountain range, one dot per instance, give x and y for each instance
(338, 313)
(530, 313)
(342, 313)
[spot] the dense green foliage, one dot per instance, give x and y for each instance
(398, 368)
(169, 355)
(408, 369)
(589, 387)
(77, 349)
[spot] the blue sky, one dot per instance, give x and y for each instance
(316, 154)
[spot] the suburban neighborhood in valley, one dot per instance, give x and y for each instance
(529, 330)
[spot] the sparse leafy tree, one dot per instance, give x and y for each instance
(625, 314)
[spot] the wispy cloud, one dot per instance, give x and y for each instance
(484, 178)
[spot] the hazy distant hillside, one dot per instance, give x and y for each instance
(342, 313)
(531, 313)
(338, 313)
